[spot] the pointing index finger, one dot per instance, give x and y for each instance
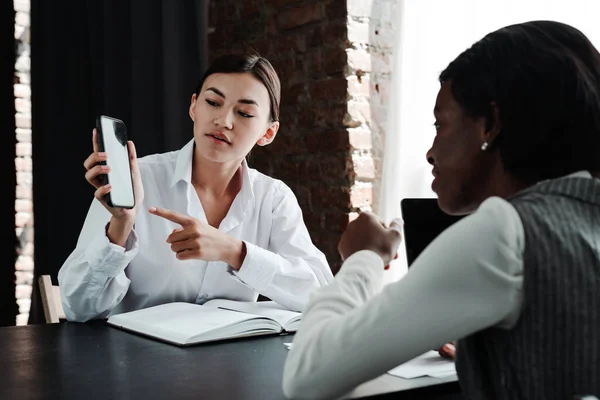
(172, 216)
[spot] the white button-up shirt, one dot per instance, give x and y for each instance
(100, 278)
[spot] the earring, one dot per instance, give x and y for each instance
(485, 146)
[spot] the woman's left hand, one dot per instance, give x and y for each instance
(200, 241)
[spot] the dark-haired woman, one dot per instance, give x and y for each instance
(205, 225)
(517, 282)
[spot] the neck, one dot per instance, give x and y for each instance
(217, 178)
(505, 186)
(500, 184)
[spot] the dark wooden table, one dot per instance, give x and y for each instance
(94, 361)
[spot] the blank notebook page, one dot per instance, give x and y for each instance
(184, 318)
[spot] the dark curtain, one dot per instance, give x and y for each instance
(8, 239)
(136, 60)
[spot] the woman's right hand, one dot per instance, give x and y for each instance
(367, 232)
(448, 350)
(94, 176)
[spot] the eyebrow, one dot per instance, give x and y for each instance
(243, 101)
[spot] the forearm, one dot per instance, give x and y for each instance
(322, 362)
(84, 297)
(119, 230)
(288, 280)
(233, 252)
(92, 280)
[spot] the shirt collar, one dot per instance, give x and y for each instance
(183, 166)
(183, 172)
(246, 193)
(247, 182)
(580, 174)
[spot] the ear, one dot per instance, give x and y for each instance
(192, 106)
(269, 135)
(493, 126)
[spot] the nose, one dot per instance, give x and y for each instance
(224, 119)
(430, 158)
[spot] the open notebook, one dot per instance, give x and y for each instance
(186, 324)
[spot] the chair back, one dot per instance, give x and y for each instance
(50, 294)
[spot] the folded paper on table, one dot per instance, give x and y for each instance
(428, 364)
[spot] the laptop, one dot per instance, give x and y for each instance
(423, 222)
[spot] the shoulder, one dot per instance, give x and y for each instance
(158, 169)
(490, 241)
(158, 159)
(269, 186)
(497, 221)
(498, 210)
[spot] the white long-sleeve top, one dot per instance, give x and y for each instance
(468, 279)
(100, 278)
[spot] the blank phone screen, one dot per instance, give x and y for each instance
(114, 135)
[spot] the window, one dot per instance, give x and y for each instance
(429, 35)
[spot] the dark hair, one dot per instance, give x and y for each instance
(252, 63)
(544, 78)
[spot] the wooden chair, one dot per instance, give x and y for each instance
(51, 302)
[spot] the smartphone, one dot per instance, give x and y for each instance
(112, 139)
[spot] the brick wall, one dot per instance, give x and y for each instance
(371, 37)
(306, 42)
(333, 60)
(23, 202)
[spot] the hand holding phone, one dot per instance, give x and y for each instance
(113, 170)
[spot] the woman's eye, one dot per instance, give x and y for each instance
(212, 103)
(436, 125)
(243, 114)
